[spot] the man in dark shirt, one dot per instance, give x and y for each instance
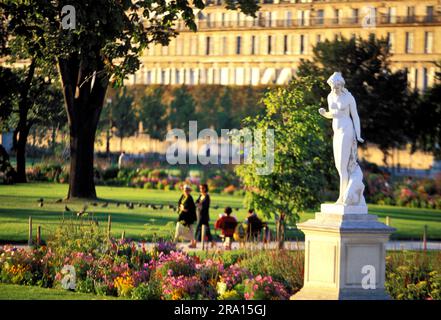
(255, 225)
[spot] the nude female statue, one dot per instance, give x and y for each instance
(346, 127)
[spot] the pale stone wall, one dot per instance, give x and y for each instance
(284, 33)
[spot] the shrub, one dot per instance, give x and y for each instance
(148, 291)
(264, 288)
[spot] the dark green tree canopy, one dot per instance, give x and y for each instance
(152, 114)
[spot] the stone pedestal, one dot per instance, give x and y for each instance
(342, 249)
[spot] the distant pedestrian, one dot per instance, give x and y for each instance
(228, 225)
(203, 214)
(254, 225)
(187, 217)
(122, 160)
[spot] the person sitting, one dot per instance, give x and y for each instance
(254, 225)
(227, 224)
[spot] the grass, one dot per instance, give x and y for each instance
(17, 292)
(18, 202)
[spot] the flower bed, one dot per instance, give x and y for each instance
(125, 269)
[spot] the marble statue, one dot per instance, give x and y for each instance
(346, 127)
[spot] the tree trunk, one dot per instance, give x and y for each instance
(22, 131)
(20, 149)
(84, 94)
(81, 177)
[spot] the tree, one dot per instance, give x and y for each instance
(302, 152)
(96, 43)
(35, 100)
(123, 116)
(383, 97)
(182, 109)
(225, 119)
(152, 113)
(427, 124)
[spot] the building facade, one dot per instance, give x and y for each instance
(233, 49)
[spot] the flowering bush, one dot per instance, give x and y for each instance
(176, 263)
(234, 275)
(264, 288)
(182, 288)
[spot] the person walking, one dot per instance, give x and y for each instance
(187, 217)
(122, 160)
(203, 215)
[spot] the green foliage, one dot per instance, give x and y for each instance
(152, 113)
(148, 291)
(302, 151)
(77, 235)
(427, 125)
(123, 114)
(414, 276)
(182, 109)
(279, 265)
(385, 104)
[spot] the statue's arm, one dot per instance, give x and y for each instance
(356, 120)
(324, 113)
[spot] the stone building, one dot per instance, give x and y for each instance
(233, 49)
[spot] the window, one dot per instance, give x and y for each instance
(391, 41)
(192, 76)
(425, 79)
(162, 77)
(428, 42)
(208, 20)
(285, 44)
(149, 77)
(409, 42)
(288, 18)
(224, 46)
(392, 15)
(223, 19)
(354, 15)
(270, 49)
(302, 44)
(415, 85)
(410, 14)
(253, 45)
(319, 38)
(429, 14)
(208, 44)
(238, 45)
(337, 16)
(178, 76)
(269, 16)
(301, 17)
(320, 16)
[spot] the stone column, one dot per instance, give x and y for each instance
(344, 255)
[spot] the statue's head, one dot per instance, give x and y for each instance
(336, 82)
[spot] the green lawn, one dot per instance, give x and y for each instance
(18, 202)
(17, 292)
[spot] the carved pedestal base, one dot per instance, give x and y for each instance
(344, 257)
